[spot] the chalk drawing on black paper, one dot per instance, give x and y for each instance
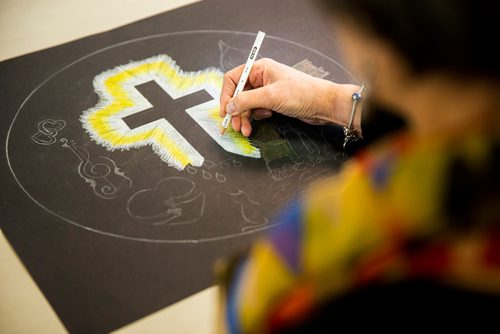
(288, 152)
(280, 191)
(283, 190)
(99, 175)
(28, 109)
(172, 201)
(231, 162)
(308, 67)
(299, 142)
(120, 98)
(209, 169)
(48, 130)
(191, 170)
(104, 177)
(250, 210)
(206, 175)
(230, 56)
(220, 177)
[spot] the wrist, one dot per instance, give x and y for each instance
(341, 106)
(323, 109)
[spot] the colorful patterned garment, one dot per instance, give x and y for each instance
(404, 209)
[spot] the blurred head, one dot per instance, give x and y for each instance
(394, 43)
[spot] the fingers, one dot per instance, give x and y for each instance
(260, 114)
(236, 123)
(241, 123)
(256, 101)
(246, 125)
(258, 98)
(232, 77)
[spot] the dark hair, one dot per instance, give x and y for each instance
(455, 36)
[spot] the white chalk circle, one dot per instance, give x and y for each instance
(80, 183)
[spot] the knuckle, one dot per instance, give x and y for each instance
(266, 61)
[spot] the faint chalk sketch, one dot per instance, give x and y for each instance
(220, 177)
(230, 162)
(289, 151)
(172, 201)
(98, 175)
(191, 170)
(209, 168)
(282, 168)
(299, 141)
(230, 57)
(250, 210)
(282, 191)
(328, 148)
(288, 182)
(48, 130)
(308, 67)
(209, 164)
(206, 175)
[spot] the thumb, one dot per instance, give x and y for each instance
(250, 99)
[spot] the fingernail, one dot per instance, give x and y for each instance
(230, 108)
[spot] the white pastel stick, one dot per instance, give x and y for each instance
(244, 75)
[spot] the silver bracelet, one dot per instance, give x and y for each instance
(349, 132)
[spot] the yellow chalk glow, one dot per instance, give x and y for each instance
(119, 98)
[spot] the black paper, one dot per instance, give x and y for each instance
(112, 236)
